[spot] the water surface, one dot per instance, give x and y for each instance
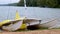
(45, 14)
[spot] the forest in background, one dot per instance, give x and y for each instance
(40, 3)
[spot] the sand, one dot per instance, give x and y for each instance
(53, 31)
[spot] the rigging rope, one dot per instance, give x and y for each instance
(8, 14)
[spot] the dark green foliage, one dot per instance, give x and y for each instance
(31, 3)
(41, 3)
(51, 3)
(21, 3)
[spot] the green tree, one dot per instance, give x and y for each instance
(41, 3)
(51, 3)
(31, 2)
(21, 3)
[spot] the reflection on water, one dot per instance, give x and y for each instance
(33, 12)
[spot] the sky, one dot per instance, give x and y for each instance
(8, 1)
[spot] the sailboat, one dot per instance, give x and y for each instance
(18, 22)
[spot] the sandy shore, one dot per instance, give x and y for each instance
(55, 31)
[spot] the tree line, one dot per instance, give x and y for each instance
(41, 3)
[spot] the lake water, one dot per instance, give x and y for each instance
(45, 14)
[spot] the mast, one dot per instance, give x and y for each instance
(24, 3)
(25, 8)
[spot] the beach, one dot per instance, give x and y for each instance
(52, 31)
